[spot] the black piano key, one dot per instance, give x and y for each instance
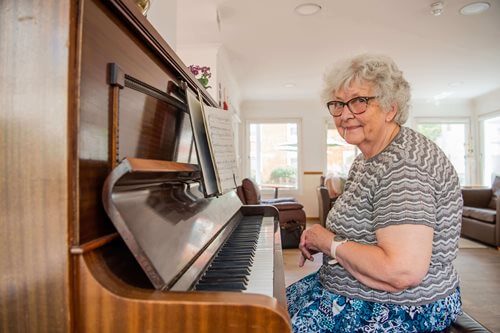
(248, 252)
(230, 268)
(245, 242)
(234, 257)
(208, 280)
(228, 286)
(222, 274)
(233, 252)
(245, 270)
(245, 249)
(233, 260)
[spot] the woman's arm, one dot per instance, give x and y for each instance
(400, 259)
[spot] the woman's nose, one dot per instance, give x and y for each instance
(346, 113)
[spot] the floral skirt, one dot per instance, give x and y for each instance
(315, 309)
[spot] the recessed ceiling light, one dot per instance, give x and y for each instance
(289, 85)
(474, 8)
(307, 9)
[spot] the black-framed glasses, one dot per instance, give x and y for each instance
(356, 105)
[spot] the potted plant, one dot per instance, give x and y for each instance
(202, 73)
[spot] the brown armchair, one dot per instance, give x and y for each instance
(325, 199)
(291, 213)
(481, 213)
(325, 203)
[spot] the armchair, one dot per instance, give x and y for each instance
(481, 213)
(325, 203)
(292, 217)
(328, 191)
(249, 194)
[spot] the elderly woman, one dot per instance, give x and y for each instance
(392, 235)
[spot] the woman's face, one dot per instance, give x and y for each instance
(367, 130)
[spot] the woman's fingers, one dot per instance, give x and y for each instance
(305, 252)
(302, 259)
(311, 242)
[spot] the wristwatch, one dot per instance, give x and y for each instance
(336, 242)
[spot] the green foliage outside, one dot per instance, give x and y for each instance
(282, 175)
(432, 131)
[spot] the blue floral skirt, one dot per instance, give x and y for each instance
(315, 309)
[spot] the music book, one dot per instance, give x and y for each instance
(220, 134)
(213, 134)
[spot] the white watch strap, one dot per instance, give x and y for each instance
(333, 250)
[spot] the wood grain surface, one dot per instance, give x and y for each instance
(34, 199)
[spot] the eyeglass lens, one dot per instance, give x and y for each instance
(356, 105)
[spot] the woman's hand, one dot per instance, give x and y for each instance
(313, 240)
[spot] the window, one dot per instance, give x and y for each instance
(339, 154)
(274, 149)
(452, 136)
(490, 148)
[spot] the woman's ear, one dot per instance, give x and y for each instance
(392, 113)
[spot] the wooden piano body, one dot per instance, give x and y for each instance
(114, 85)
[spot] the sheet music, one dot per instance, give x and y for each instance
(219, 128)
(203, 150)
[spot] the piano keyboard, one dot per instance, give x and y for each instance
(262, 272)
(246, 261)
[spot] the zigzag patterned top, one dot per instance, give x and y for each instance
(410, 182)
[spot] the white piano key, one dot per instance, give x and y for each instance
(261, 276)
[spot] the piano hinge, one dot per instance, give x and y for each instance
(176, 90)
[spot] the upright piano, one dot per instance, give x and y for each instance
(151, 251)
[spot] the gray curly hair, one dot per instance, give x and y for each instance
(379, 70)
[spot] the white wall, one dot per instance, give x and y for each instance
(443, 108)
(229, 90)
(487, 103)
(162, 15)
(313, 116)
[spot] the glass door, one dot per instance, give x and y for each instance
(490, 149)
(273, 153)
(453, 137)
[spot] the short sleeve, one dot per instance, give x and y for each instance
(404, 195)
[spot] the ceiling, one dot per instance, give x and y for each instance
(446, 57)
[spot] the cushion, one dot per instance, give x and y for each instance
(277, 200)
(482, 214)
(288, 206)
(495, 188)
(251, 191)
(241, 194)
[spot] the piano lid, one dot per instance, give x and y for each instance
(161, 213)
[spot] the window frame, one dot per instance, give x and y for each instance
(330, 121)
(470, 176)
(481, 119)
(298, 121)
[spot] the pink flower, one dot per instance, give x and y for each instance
(205, 74)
